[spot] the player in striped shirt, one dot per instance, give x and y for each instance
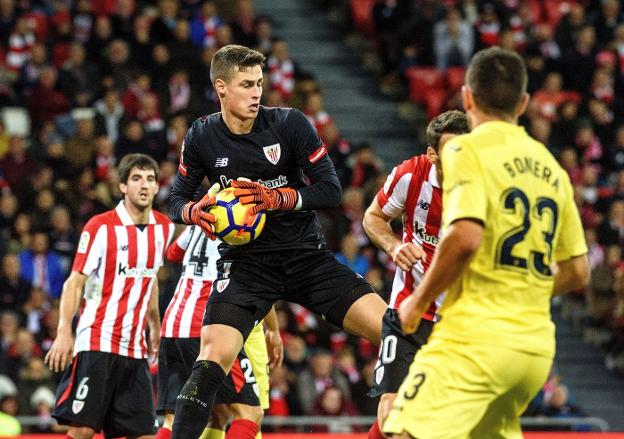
(245, 392)
(113, 282)
(413, 191)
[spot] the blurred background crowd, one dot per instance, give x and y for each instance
(84, 82)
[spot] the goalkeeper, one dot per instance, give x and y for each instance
(280, 152)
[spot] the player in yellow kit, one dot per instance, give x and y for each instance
(512, 238)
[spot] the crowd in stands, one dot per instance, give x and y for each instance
(574, 51)
(84, 82)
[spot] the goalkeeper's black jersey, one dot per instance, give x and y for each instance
(282, 150)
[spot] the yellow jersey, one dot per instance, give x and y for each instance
(499, 175)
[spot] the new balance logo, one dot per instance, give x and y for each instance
(123, 248)
(221, 162)
(423, 204)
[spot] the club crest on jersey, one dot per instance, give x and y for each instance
(77, 406)
(222, 285)
(273, 153)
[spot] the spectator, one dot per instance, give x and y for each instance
(63, 236)
(17, 164)
(350, 255)
(579, 61)
(46, 102)
(282, 69)
(605, 278)
(80, 147)
(183, 51)
(453, 41)
(20, 45)
(33, 377)
(78, 78)
(42, 267)
(319, 376)
(606, 20)
(243, 23)
(611, 231)
(21, 352)
(164, 24)
(15, 288)
(9, 425)
(141, 45)
(109, 113)
(118, 66)
(204, 26)
(333, 402)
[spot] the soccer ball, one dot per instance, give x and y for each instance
(232, 224)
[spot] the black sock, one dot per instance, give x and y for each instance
(195, 401)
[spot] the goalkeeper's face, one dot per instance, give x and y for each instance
(240, 96)
(140, 189)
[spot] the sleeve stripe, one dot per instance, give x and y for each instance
(182, 168)
(318, 154)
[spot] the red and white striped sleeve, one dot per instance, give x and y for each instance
(392, 196)
(175, 252)
(91, 247)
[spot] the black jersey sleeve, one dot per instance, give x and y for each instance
(325, 191)
(189, 176)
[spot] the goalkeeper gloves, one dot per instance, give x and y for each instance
(265, 198)
(195, 212)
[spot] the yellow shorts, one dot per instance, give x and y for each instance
(256, 350)
(458, 390)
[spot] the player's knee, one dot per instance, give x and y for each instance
(364, 317)
(81, 433)
(385, 405)
(221, 344)
(220, 417)
(249, 412)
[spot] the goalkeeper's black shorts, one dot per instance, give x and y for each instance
(246, 288)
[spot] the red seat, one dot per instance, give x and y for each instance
(435, 101)
(362, 15)
(455, 78)
(422, 79)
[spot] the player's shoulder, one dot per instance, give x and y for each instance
(205, 122)
(279, 115)
(108, 218)
(417, 164)
(161, 218)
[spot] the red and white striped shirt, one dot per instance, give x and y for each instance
(412, 189)
(121, 261)
(185, 313)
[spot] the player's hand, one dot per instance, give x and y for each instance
(60, 354)
(409, 315)
(195, 212)
(249, 192)
(275, 347)
(406, 254)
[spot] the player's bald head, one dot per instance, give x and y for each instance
(231, 59)
(498, 81)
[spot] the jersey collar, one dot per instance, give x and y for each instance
(125, 217)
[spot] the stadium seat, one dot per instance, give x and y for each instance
(435, 100)
(422, 80)
(362, 15)
(455, 78)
